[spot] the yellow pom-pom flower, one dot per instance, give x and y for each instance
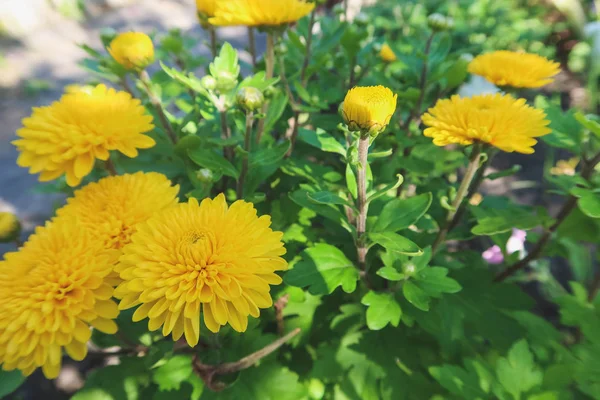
(51, 291)
(387, 54)
(260, 12)
(133, 50)
(200, 259)
(206, 7)
(519, 70)
(369, 109)
(500, 120)
(10, 227)
(69, 135)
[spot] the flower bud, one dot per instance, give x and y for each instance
(361, 20)
(387, 54)
(270, 92)
(438, 22)
(10, 227)
(250, 98)
(226, 81)
(208, 82)
(133, 50)
(281, 49)
(205, 175)
(368, 109)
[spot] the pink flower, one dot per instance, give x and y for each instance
(516, 243)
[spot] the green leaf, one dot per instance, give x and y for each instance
(502, 174)
(399, 214)
(386, 188)
(416, 296)
(207, 158)
(323, 268)
(321, 140)
(472, 382)
(590, 205)
(382, 309)
(566, 131)
(259, 82)
(188, 80)
(10, 381)
(269, 155)
(277, 106)
(173, 373)
(396, 243)
(351, 181)
(325, 197)
(518, 372)
(494, 225)
(390, 273)
(589, 124)
(434, 282)
(226, 61)
(329, 211)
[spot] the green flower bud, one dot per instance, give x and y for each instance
(281, 49)
(271, 92)
(208, 82)
(226, 81)
(438, 22)
(10, 227)
(361, 20)
(205, 175)
(250, 98)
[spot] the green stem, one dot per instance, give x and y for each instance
(247, 143)
(155, 101)
(361, 219)
(460, 195)
(252, 45)
(270, 67)
(213, 40)
(110, 167)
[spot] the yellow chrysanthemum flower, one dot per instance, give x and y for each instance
(387, 54)
(51, 291)
(260, 12)
(201, 258)
(206, 7)
(500, 120)
(509, 68)
(9, 226)
(369, 109)
(133, 50)
(69, 135)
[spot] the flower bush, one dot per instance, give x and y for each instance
(314, 224)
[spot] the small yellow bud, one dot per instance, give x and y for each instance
(10, 227)
(369, 109)
(133, 50)
(250, 98)
(387, 54)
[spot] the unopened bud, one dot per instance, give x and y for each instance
(208, 82)
(250, 98)
(10, 227)
(205, 175)
(225, 81)
(438, 22)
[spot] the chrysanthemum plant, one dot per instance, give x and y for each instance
(321, 223)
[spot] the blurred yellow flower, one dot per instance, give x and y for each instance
(207, 7)
(69, 135)
(369, 108)
(200, 258)
(500, 120)
(9, 226)
(51, 291)
(520, 70)
(260, 12)
(387, 54)
(565, 167)
(133, 50)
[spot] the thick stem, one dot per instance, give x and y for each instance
(212, 32)
(270, 67)
(110, 167)
(225, 134)
(361, 220)
(586, 173)
(252, 45)
(247, 142)
(155, 101)
(460, 195)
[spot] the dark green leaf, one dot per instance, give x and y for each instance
(415, 296)
(518, 373)
(399, 214)
(321, 140)
(269, 155)
(171, 374)
(10, 381)
(396, 243)
(216, 162)
(590, 205)
(328, 198)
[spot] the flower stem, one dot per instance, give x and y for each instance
(361, 220)
(308, 49)
(247, 142)
(110, 167)
(252, 45)
(212, 32)
(586, 173)
(460, 195)
(225, 134)
(155, 101)
(270, 67)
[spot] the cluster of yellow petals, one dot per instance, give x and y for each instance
(207, 7)
(369, 108)
(68, 136)
(387, 54)
(133, 50)
(51, 291)
(500, 120)
(196, 260)
(260, 12)
(515, 69)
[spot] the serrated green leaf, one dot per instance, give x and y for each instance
(216, 162)
(171, 374)
(321, 140)
(383, 309)
(589, 204)
(226, 61)
(399, 214)
(416, 296)
(518, 373)
(390, 273)
(589, 124)
(396, 243)
(434, 282)
(471, 382)
(323, 268)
